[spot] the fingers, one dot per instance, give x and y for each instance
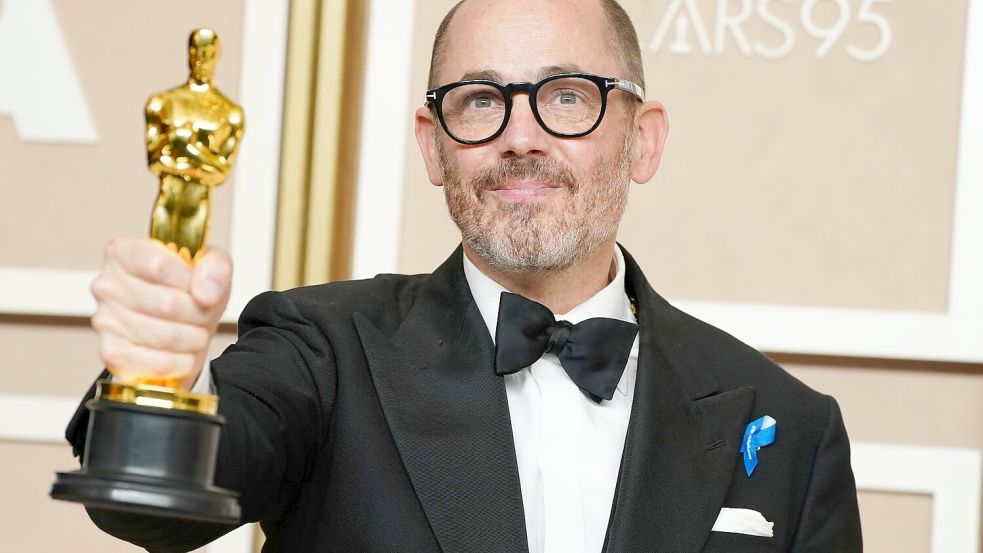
(116, 287)
(156, 314)
(143, 330)
(148, 260)
(131, 361)
(211, 279)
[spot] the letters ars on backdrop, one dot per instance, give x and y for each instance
(41, 91)
(709, 27)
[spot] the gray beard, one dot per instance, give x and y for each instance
(538, 238)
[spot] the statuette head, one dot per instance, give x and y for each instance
(203, 52)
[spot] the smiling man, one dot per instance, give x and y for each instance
(533, 393)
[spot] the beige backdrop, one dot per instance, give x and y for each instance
(797, 181)
(63, 202)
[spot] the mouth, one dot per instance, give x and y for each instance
(524, 190)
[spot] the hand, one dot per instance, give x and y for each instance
(156, 314)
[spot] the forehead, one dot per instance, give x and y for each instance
(519, 38)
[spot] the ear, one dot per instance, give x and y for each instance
(425, 138)
(651, 130)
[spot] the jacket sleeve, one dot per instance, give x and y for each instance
(830, 519)
(276, 386)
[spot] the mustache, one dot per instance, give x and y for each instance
(548, 170)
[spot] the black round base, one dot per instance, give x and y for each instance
(152, 461)
(141, 495)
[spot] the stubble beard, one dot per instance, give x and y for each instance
(542, 236)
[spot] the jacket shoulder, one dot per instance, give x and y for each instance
(734, 364)
(385, 296)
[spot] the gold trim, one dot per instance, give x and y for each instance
(319, 156)
(156, 396)
(295, 154)
(350, 140)
(326, 139)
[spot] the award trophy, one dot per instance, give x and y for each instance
(151, 446)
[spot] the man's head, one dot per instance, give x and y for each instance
(203, 52)
(529, 201)
(623, 42)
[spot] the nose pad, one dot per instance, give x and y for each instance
(523, 136)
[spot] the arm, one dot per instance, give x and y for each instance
(830, 519)
(207, 162)
(237, 126)
(154, 133)
(277, 388)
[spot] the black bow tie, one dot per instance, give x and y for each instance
(593, 352)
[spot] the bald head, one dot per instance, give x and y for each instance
(623, 44)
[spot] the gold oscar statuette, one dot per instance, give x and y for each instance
(151, 446)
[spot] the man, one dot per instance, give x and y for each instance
(437, 413)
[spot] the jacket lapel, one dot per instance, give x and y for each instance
(683, 438)
(448, 413)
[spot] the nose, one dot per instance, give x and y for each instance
(522, 137)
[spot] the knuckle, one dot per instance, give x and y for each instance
(154, 267)
(168, 338)
(167, 306)
(102, 287)
(101, 321)
(198, 340)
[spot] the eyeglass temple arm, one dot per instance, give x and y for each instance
(627, 86)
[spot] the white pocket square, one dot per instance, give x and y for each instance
(743, 521)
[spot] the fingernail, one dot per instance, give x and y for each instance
(209, 290)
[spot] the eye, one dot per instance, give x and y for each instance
(568, 98)
(481, 101)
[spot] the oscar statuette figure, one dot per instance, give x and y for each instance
(151, 446)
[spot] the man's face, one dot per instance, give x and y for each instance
(529, 201)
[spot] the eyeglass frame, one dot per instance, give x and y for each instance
(435, 97)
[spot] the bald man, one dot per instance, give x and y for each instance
(534, 393)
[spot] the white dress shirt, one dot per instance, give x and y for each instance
(568, 448)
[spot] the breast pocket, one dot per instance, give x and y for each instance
(726, 542)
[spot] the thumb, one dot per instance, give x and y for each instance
(212, 278)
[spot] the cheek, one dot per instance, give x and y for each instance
(471, 158)
(582, 157)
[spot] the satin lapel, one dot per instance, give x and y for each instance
(683, 440)
(448, 413)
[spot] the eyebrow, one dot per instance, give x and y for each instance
(551, 70)
(483, 75)
(542, 73)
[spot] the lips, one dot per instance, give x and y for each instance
(524, 179)
(524, 189)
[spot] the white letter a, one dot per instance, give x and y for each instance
(40, 89)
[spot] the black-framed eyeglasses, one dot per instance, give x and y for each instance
(568, 105)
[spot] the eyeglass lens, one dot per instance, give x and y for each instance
(568, 105)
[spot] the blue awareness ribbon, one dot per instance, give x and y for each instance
(757, 434)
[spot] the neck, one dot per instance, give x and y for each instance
(560, 291)
(201, 81)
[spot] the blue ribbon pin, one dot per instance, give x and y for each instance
(756, 435)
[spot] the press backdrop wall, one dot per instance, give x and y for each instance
(820, 197)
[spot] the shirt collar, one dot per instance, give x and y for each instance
(611, 301)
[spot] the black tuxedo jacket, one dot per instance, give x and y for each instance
(367, 417)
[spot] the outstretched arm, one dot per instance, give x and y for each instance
(277, 387)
